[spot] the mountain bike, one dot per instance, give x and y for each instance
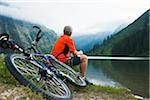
(42, 73)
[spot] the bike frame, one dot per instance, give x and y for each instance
(66, 72)
(45, 67)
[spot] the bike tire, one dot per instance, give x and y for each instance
(24, 81)
(77, 81)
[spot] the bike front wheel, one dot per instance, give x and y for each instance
(30, 74)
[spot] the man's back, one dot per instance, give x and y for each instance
(60, 45)
(64, 46)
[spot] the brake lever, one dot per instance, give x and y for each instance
(38, 38)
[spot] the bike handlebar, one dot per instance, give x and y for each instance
(36, 27)
(7, 44)
(38, 37)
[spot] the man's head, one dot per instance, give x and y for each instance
(68, 30)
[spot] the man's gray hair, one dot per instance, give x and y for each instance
(67, 30)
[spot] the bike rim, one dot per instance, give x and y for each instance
(30, 71)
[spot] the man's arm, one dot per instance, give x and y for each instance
(72, 48)
(77, 52)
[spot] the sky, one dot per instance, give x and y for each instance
(85, 16)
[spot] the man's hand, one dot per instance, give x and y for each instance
(80, 52)
(77, 53)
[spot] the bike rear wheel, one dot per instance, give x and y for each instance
(28, 73)
(64, 70)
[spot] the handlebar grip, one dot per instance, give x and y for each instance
(36, 27)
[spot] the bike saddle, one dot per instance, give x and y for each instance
(4, 37)
(5, 43)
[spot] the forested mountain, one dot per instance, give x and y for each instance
(87, 42)
(23, 33)
(133, 40)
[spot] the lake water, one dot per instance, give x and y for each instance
(133, 75)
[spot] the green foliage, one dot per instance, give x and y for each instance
(97, 88)
(5, 76)
(107, 92)
(131, 41)
(23, 33)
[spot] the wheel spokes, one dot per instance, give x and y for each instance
(55, 87)
(68, 72)
(26, 68)
(31, 72)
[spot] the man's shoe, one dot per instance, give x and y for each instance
(80, 77)
(88, 82)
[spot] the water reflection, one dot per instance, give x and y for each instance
(131, 74)
(96, 75)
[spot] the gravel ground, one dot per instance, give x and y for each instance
(18, 93)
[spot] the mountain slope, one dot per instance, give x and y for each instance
(86, 42)
(131, 41)
(23, 33)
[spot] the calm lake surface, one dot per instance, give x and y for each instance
(133, 75)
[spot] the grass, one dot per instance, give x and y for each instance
(7, 81)
(5, 75)
(106, 92)
(108, 89)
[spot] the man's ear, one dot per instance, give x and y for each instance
(70, 33)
